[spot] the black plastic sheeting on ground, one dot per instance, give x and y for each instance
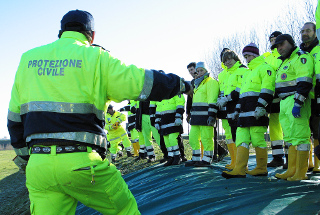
(202, 190)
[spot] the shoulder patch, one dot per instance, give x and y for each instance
(303, 60)
(96, 45)
(269, 72)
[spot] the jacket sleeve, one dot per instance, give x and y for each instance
(180, 101)
(304, 67)
(267, 75)
(121, 118)
(212, 95)
(15, 125)
(139, 84)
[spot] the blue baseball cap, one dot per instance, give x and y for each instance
(77, 16)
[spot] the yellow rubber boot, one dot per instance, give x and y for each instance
(292, 156)
(262, 160)
(233, 154)
(301, 166)
(316, 168)
(136, 148)
(239, 170)
(310, 166)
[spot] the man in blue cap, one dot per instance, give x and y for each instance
(56, 119)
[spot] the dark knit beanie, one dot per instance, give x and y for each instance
(251, 49)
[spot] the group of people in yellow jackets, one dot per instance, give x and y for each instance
(277, 89)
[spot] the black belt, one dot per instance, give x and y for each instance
(59, 149)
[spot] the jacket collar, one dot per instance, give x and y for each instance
(75, 35)
(313, 44)
(256, 62)
(198, 81)
(292, 52)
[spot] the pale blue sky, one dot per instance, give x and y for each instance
(153, 34)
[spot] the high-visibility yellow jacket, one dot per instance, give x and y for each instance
(233, 85)
(118, 118)
(257, 90)
(294, 77)
(168, 110)
(273, 59)
(223, 80)
(61, 90)
(204, 103)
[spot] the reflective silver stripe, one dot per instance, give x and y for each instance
(251, 93)
(286, 84)
(246, 114)
(264, 90)
(124, 134)
(152, 115)
(197, 113)
(200, 104)
(149, 147)
(318, 100)
(299, 97)
(244, 145)
(221, 93)
(303, 147)
(157, 120)
(276, 100)
(229, 115)
(318, 76)
(169, 148)
(133, 123)
(22, 151)
(206, 158)
(114, 139)
(263, 102)
(177, 152)
(261, 147)
(305, 79)
(84, 137)
(196, 152)
(61, 107)
(167, 111)
(277, 143)
(277, 152)
(237, 89)
(176, 147)
(238, 106)
(223, 108)
(152, 105)
(167, 125)
(229, 141)
(158, 112)
(178, 115)
(212, 110)
(15, 117)
(195, 158)
(283, 95)
(180, 106)
(147, 86)
(208, 153)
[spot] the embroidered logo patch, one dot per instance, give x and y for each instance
(269, 72)
(286, 67)
(303, 60)
(283, 76)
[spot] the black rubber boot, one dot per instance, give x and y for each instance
(202, 164)
(152, 158)
(176, 160)
(141, 156)
(129, 154)
(169, 162)
(276, 162)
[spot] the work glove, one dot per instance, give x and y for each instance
(178, 122)
(235, 116)
(157, 126)
(222, 101)
(133, 110)
(211, 121)
(259, 112)
(21, 163)
(296, 111)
